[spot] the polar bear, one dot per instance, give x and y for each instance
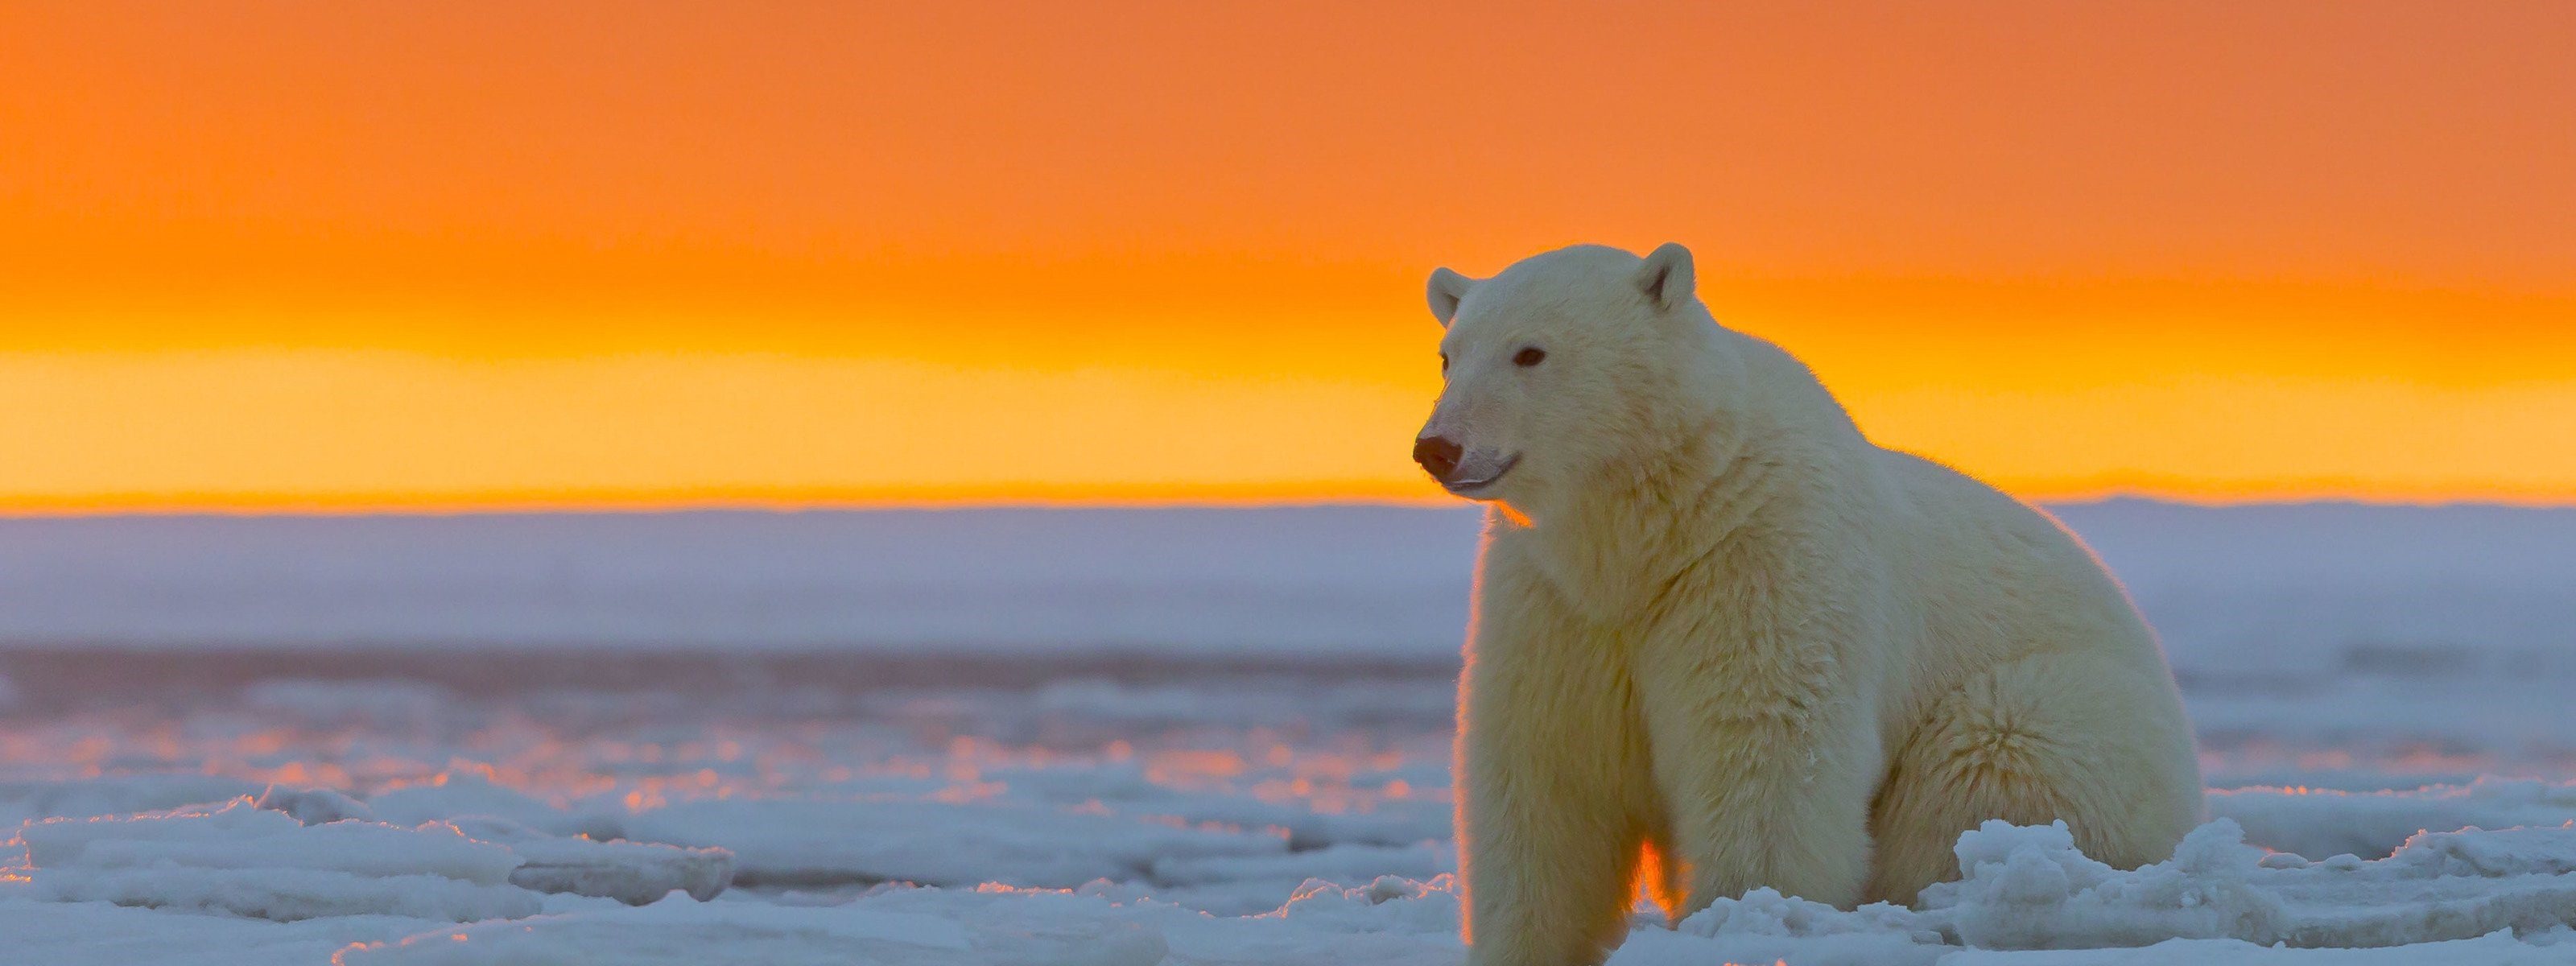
(1720, 640)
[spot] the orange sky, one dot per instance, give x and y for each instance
(476, 253)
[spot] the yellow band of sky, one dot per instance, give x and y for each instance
(474, 253)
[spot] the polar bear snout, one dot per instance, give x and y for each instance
(1438, 456)
(1460, 470)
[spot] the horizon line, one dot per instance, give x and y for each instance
(572, 503)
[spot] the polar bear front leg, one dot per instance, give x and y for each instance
(1551, 773)
(1765, 784)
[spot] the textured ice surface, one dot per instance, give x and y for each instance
(1211, 818)
(1119, 737)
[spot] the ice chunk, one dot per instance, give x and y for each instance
(315, 806)
(2320, 822)
(635, 873)
(2028, 888)
(1341, 862)
(1234, 885)
(100, 934)
(116, 795)
(467, 789)
(285, 894)
(629, 872)
(1765, 926)
(2442, 896)
(240, 835)
(1387, 903)
(248, 861)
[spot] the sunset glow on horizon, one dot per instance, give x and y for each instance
(473, 255)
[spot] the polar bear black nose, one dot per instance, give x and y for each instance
(1438, 456)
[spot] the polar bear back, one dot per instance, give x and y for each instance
(1997, 580)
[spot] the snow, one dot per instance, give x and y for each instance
(746, 934)
(635, 873)
(1348, 580)
(468, 788)
(979, 824)
(838, 841)
(2028, 888)
(2322, 822)
(2285, 591)
(1123, 737)
(243, 860)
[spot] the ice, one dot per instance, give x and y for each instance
(100, 934)
(116, 795)
(2322, 822)
(1223, 818)
(2029, 888)
(248, 861)
(285, 894)
(314, 806)
(1247, 884)
(241, 835)
(780, 936)
(467, 789)
(1765, 926)
(2493, 950)
(1370, 813)
(2275, 590)
(2443, 894)
(829, 841)
(381, 703)
(2297, 592)
(1138, 736)
(1393, 921)
(1341, 580)
(635, 873)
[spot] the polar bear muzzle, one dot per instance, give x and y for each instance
(1457, 469)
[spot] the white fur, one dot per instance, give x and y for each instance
(1714, 622)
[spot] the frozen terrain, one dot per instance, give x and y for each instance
(1112, 737)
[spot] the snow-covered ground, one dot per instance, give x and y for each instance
(1109, 737)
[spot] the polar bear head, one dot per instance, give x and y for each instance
(1558, 368)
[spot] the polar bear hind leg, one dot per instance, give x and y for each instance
(2097, 742)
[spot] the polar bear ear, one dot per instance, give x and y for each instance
(1666, 277)
(1447, 288)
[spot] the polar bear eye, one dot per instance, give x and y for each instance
(1529, 357)
(1444, 362)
